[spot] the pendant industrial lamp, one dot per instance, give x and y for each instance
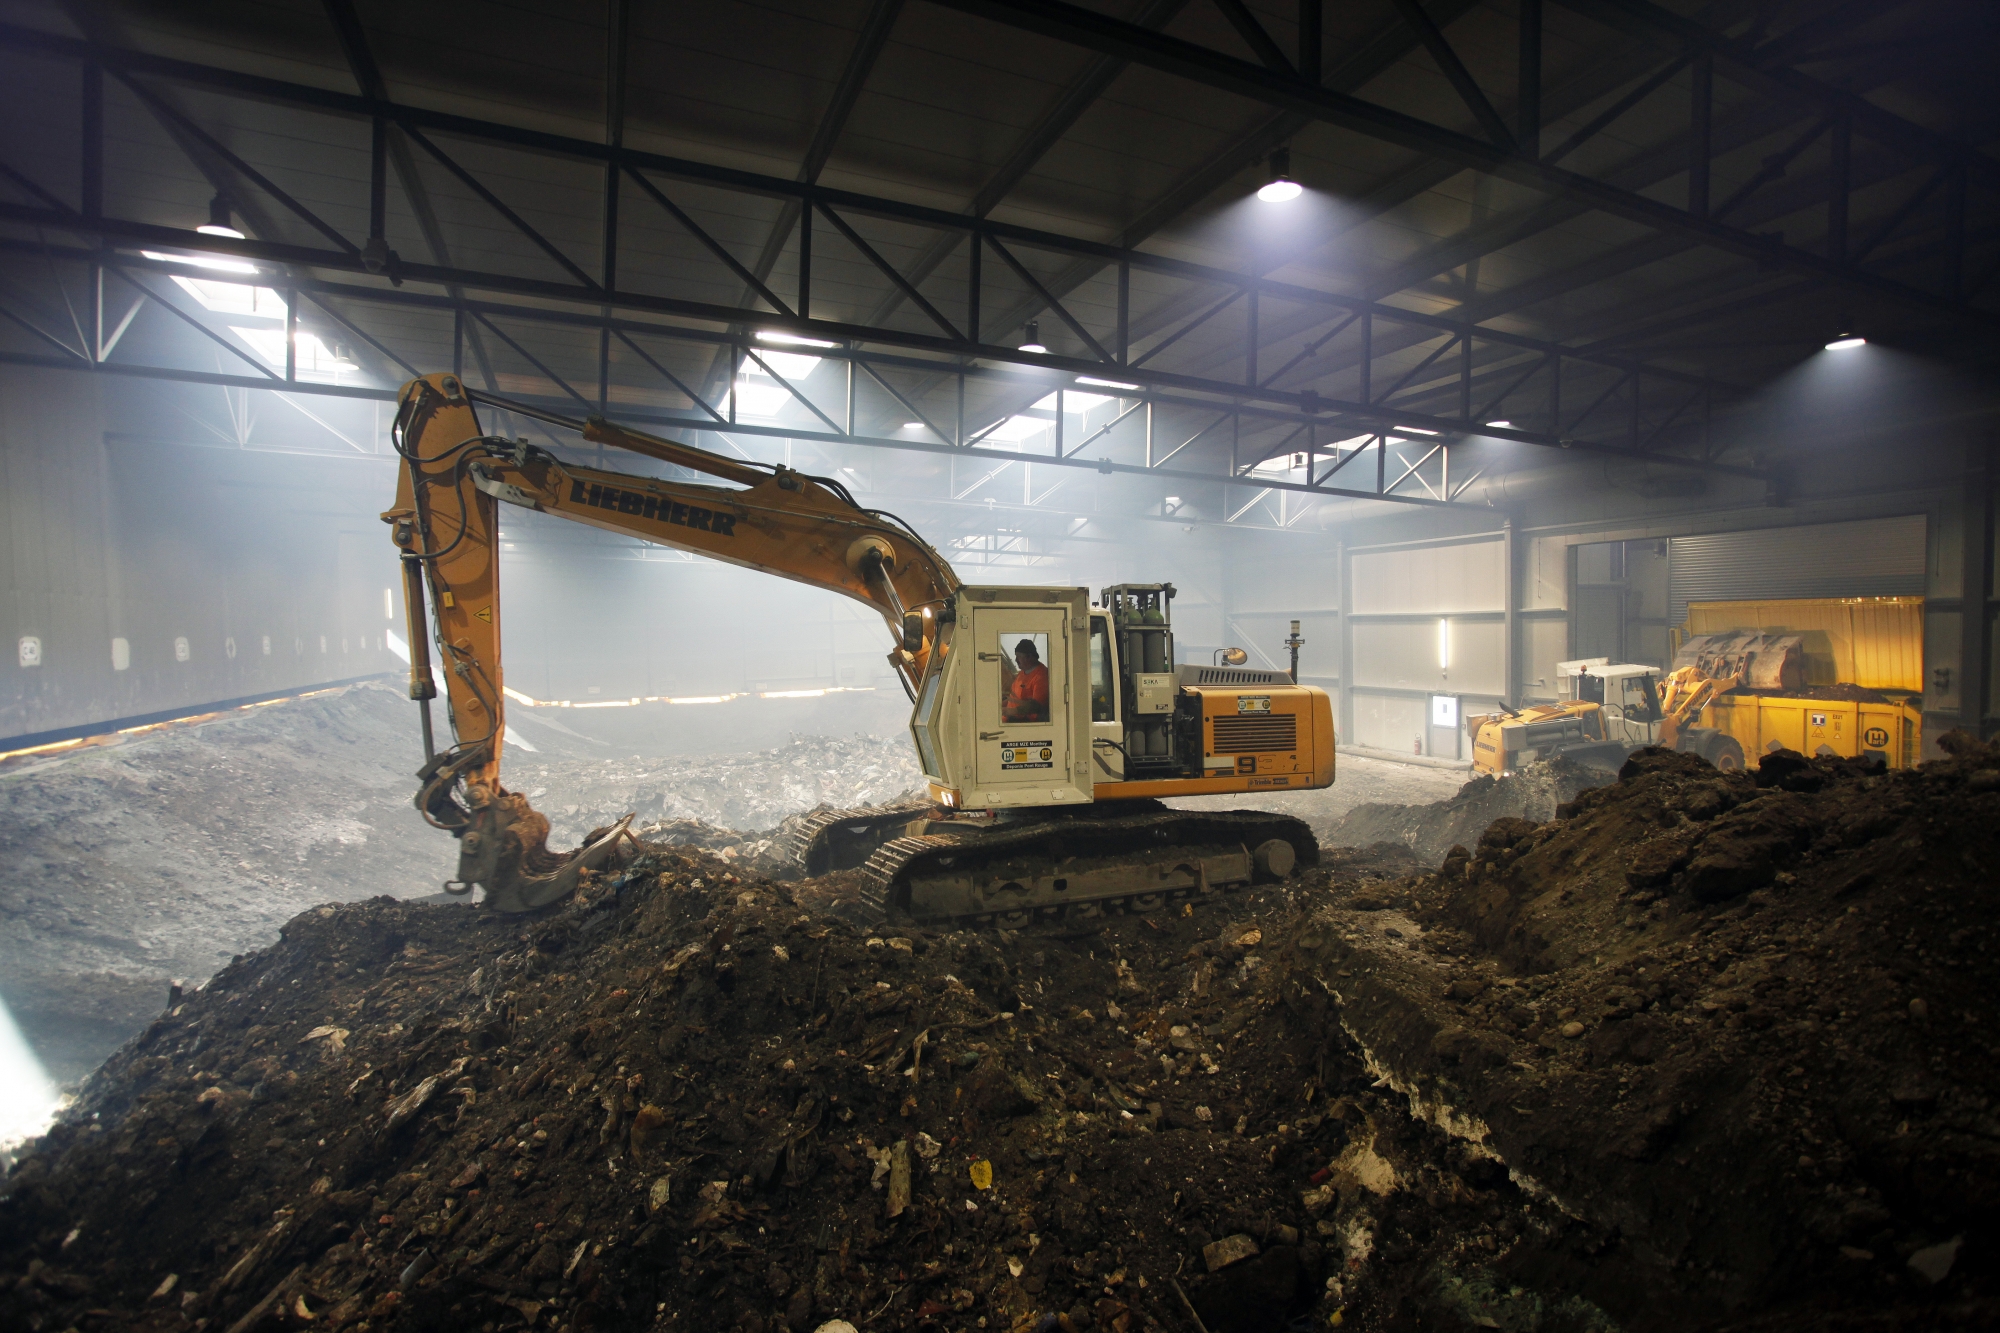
(1281, 188)
(218, 220)
(1033, 342)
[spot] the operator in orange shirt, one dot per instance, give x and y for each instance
(1027, 697)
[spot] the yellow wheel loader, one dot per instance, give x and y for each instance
(1611, 711)
(1048, 727)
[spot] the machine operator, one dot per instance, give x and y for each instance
(1027, 697)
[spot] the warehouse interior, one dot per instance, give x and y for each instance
(1426, 348)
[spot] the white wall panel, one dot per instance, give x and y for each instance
(1388, 722)
(1309, 583)
(1431, 580)
(1543, 644)
(1548, 575)
(1404, 655)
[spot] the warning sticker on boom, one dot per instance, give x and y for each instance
(1028, 754)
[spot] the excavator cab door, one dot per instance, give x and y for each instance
(1030, 695)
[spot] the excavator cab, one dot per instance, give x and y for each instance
(1004, 716)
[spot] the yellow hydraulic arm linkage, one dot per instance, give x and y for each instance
(454, 475)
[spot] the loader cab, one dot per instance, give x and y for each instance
(1629, 697)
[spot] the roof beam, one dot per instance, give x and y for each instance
(1454, 69)
(1070, 23)
(368, 77)
(1361, 65)
(868, 45)
(1645, 169)
(1031, 148)
(1755, 67)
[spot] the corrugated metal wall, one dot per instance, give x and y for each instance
(1877, 557)
(153, 577)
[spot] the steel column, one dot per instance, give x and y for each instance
(1975, 663)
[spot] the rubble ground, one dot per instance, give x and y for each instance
(163, 855)
(1431, 830)
(1701, 1051)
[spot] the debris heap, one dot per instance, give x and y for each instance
(1743, 1024)
(1429, 831)
(681, 1101)
(1700, 1051)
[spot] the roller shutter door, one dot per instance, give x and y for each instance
(1877, 557)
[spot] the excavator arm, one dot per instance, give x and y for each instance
(453, 479)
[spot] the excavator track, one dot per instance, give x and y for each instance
(1080, 865)
(828, 840)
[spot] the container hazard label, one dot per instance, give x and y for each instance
(1819, 719)
(1030, 754)
(1253, 703)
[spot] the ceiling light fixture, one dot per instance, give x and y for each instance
(792, 340)
(913, 425)
(1280, 188)
(218, 220)
(1106, 384)
(1503, 425)
(200, 261)
(1846, 341)
(1033, 341)
(1413, 430)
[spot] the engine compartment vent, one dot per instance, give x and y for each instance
(1256, 735)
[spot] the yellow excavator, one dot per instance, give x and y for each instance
(1049, 728)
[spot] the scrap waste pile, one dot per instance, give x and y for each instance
(1701, 1051)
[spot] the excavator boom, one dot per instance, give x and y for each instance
(445, 522)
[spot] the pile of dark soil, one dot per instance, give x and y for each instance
(680, 1101)
(1745, 1025)
(1429, 831)
(1702, 1051)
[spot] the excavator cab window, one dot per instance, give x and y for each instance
(1589, 688)
(1103, 681)
(925, 726)
(1024, 677)
(1646, 707)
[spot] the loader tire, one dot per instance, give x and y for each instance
(1725, 754)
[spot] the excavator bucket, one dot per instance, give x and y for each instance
(505, 849)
